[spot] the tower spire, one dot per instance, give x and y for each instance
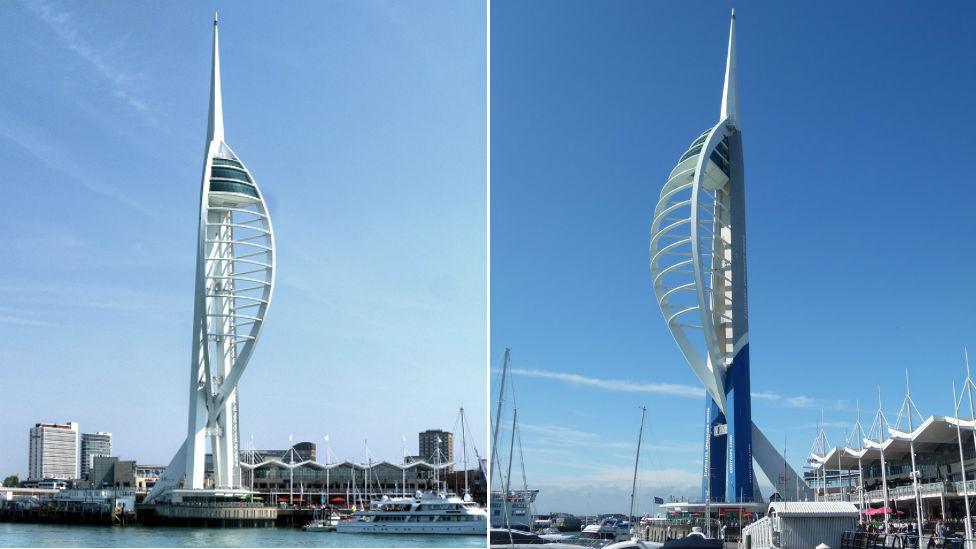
(730, 94)
(215, 126)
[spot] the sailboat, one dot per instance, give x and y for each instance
(511, 509)
(694, 540)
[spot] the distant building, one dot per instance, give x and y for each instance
(304, 451)
(111, 472)
(102, 474)
(93, 444)
(318, 483)
(432, 440)
(53, 451)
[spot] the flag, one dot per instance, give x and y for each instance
(658, 501)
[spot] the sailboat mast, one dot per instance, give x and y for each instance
(464, 452)
(633, 488)
(511, 452)
(498, 409)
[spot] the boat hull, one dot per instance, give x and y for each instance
(474, 528)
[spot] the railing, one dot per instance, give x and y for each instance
(760, 532)
(877, 540)
(929, 489)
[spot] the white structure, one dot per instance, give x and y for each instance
(698, 269)
(94, 444)
(234, 281)
(802, 525)
(53, 451)
(425, 513)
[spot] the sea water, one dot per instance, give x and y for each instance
(55, 535)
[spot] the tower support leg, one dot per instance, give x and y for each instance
(714, 468)
(739, 478)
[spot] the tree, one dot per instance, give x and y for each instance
(11, 482)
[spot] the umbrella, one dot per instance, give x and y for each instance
(337, 499)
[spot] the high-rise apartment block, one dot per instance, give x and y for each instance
(53, 451)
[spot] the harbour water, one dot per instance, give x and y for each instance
(53, 535)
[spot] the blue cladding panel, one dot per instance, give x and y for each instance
(739, 480)
(715, 476)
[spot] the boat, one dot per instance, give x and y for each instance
(514, 510)
(511, 508)
(322, 524)
(513, 536)
(609, 530)
(695, 540)
(425, 513)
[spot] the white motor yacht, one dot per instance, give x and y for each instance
(425, 513)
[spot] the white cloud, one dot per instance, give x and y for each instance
(65, 28)
(673, 389)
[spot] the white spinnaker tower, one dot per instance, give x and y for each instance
(234, 283)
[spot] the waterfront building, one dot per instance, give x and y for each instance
(312, 482)
(93, 444)
(436, 445)
(235, 262)
(868, 472)
(111, 472)
(102, 473)
(304, 451)
(698, 269)
(53, 451)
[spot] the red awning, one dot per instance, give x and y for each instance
(881, 511)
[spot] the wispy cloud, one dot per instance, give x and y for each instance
(58, 157)
(22, 321)
(66, 29)
(673, 389)
(797, 401)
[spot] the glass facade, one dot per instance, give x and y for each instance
(720, 155)
(218, 172)
(232, 187)
(226, 162)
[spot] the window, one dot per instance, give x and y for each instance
(226, 162)
(233, 187)
(229, 173)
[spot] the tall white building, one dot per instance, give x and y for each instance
(53, 451)
(235, 257)
(94, 444)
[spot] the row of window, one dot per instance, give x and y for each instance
(719, 155)
(230, 173)
(233, 187)
(226, 162)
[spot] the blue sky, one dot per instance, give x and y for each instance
(857, 125)
(363, 122)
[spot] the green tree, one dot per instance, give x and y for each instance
(11, 482)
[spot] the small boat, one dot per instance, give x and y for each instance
(695, 540)
(322, 524)
(513, 536)
(609, 530)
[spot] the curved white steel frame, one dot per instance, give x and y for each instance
(690, 258)
(234, 285)
(691, 247)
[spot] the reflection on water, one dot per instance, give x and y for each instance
(53, 535)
